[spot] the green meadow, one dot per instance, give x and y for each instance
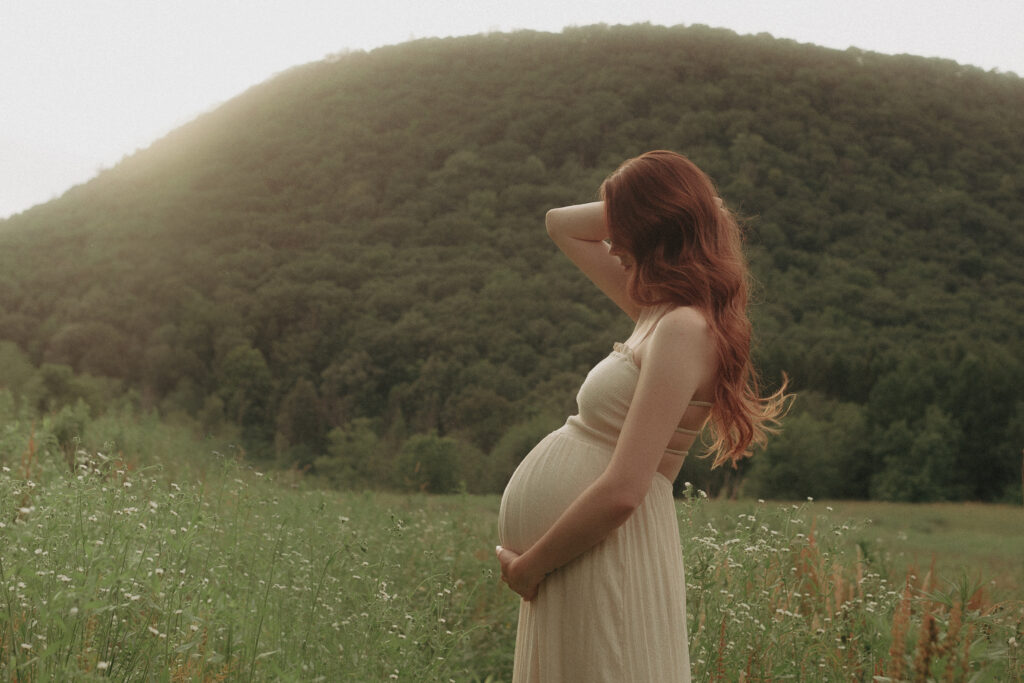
(190, 565)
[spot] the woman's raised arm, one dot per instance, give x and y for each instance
(580, 231)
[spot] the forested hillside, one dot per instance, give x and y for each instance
(347, 264)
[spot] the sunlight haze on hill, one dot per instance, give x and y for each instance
(86, 84)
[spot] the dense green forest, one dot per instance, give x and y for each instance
(345, 266)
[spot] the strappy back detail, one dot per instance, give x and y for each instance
(688, 432)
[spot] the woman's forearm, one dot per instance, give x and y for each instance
(581, 221)
(597, 512)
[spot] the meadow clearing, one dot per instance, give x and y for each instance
(200, 568)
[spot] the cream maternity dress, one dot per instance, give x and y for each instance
(617, 613)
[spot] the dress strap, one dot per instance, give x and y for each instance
(702, 404)
(676, 451)
(650, 324)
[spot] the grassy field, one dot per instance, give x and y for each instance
(983, 542)
(114, 568)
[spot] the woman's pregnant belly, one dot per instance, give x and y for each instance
(547, 481)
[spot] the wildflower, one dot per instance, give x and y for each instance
(153, 505)
(102, 666)
(154, 631)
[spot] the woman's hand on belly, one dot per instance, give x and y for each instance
(512, 574)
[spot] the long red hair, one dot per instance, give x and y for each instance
(665, 212)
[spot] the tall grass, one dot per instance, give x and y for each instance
(778, 592)
(122, 572)
(117, 566)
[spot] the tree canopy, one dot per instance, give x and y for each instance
(352, 253)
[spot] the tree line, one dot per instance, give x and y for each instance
(346, 267)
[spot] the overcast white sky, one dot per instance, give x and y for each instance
(84, 83)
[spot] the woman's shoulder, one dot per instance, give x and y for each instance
(683, 320)
(682, 330)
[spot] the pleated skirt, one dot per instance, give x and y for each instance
(617, 613)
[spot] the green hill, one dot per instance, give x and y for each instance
(351, 256)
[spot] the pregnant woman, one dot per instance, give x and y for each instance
(588, 528)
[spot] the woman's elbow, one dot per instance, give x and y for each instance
(549, 221)
(553, 221)
(623, 502)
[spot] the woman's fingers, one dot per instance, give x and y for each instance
(505, 557)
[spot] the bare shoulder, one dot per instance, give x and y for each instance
(684, 323)
(682, 345)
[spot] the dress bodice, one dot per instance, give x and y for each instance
(604, 397)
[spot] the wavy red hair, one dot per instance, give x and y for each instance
(664, 211)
